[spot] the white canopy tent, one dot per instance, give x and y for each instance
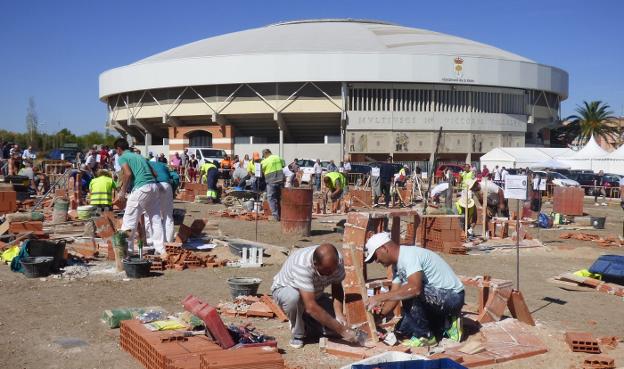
(591, 157)
(551, 164)
(615, 161)
(522, 157)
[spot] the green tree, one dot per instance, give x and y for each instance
(592, 119)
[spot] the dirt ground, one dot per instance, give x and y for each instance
(40, 318)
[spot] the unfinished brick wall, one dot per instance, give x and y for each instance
(441, 235)
(568, 200)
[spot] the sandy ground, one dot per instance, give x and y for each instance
(37, 315)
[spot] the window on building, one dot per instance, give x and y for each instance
(200, 139)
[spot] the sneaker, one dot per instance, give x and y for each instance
(420, 342)
(596, 204)
(296, 343)
(604, 204)
(455, 332)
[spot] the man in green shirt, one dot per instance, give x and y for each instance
(145, 195)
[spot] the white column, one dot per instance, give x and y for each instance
(148, 142)
(281, 143)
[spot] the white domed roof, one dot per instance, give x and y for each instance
(333, 51)
(334, 36)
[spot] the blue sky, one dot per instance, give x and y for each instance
(55, 50)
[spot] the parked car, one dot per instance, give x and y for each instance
(611, 181)
(207, 153)
(586, 180)
(360, 169)
(307, 167)
(455, 169)
(557, 179)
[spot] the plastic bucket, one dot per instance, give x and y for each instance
(59, 214)
(243, 286)
(56, 250)
(120, 247)
(37, 267)
(137, 268)
(85, 212)
(598, 222)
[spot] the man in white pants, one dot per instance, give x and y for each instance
(144, 198)
(166, 200)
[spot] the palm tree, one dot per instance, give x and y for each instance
(592, 119)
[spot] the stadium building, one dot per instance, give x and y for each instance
(329, 87)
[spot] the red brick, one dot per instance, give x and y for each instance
(23, 227)
(183, 233)
(519, 309)
(598, 362)
(582, 342)
(279, 313)
(197, 227)
(211, 319)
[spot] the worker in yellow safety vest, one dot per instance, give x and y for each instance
(273, 173)
(335, 183)
(209, 172)
(101, 190)
(466, 175)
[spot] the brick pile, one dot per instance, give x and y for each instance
(568, 200)
(359, 198)
(173, 350)
(441, 234)
(179, 258)
(608, 241)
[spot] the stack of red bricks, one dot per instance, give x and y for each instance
(179, 258)
(8, 199)
(172, 350)
(190, 190)
(442, 234)
(568, 200)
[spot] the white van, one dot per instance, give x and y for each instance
(207, 153)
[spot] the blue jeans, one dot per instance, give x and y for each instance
(273, 197)
(426, 314)
(317, 182)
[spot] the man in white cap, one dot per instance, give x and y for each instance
(298, 290)
(431, 294)
(465, 203)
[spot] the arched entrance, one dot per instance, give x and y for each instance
(199, 139)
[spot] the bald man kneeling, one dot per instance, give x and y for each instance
(298, 290)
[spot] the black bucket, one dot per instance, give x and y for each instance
(243, 286)
(55, 249)
(598, 222)
(37, 267)
(137, 268)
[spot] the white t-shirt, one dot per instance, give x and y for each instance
(504, 174)
(347, 166)
(436, 272)
(438, 189)
(497, 174)
(317, 168)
